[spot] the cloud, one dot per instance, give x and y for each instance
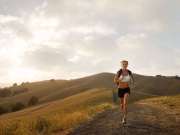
(147, 56)
(18, 7)
(46, 58)
(64, 39)
(15, 25)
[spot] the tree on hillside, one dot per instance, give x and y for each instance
(15, 84)
(20, 90)
(33, 101)
(3, 110)
(177, 77)
(52, 80)
(17, 106)
(5, 92)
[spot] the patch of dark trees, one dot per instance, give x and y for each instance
(18, 105)
(175, 77)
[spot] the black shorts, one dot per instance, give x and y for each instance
(122, 91)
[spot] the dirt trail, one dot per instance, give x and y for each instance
(143, 119)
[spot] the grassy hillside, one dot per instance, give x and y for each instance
(58, 89)
(157, 85)
(66, 103)
(58, 115)
(51, 90)
(170, 103)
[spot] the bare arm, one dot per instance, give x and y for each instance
(115, 79)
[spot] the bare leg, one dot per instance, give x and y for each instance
(121, 103)
(125, 102)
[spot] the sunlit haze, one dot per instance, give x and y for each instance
(64, 39)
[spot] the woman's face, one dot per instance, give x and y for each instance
(124, 65)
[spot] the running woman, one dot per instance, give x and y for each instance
(123, 78)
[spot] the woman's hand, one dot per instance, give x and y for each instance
(116, 79)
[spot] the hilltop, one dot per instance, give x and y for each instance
(51, 90)
(64, 104)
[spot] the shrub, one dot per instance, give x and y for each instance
(15, 84)
(18, 106)
(5, 92)
(177, 77)
(33, 101)
(158, 75)
(52, 80)
(3, 110)
(20, 90)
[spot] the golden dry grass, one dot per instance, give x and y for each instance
(58, 89)
(56, 116)
(166, 102)
(49, 91)
(75, 101)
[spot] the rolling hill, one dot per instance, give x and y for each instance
(65, 103)
(50, 90)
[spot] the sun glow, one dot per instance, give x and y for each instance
(19, 74)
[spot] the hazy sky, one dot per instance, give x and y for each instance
(44, 39)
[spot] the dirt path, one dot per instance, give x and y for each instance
(143, 119)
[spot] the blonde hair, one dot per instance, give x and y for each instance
(124, 61)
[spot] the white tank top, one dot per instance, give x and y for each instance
(126, 78)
